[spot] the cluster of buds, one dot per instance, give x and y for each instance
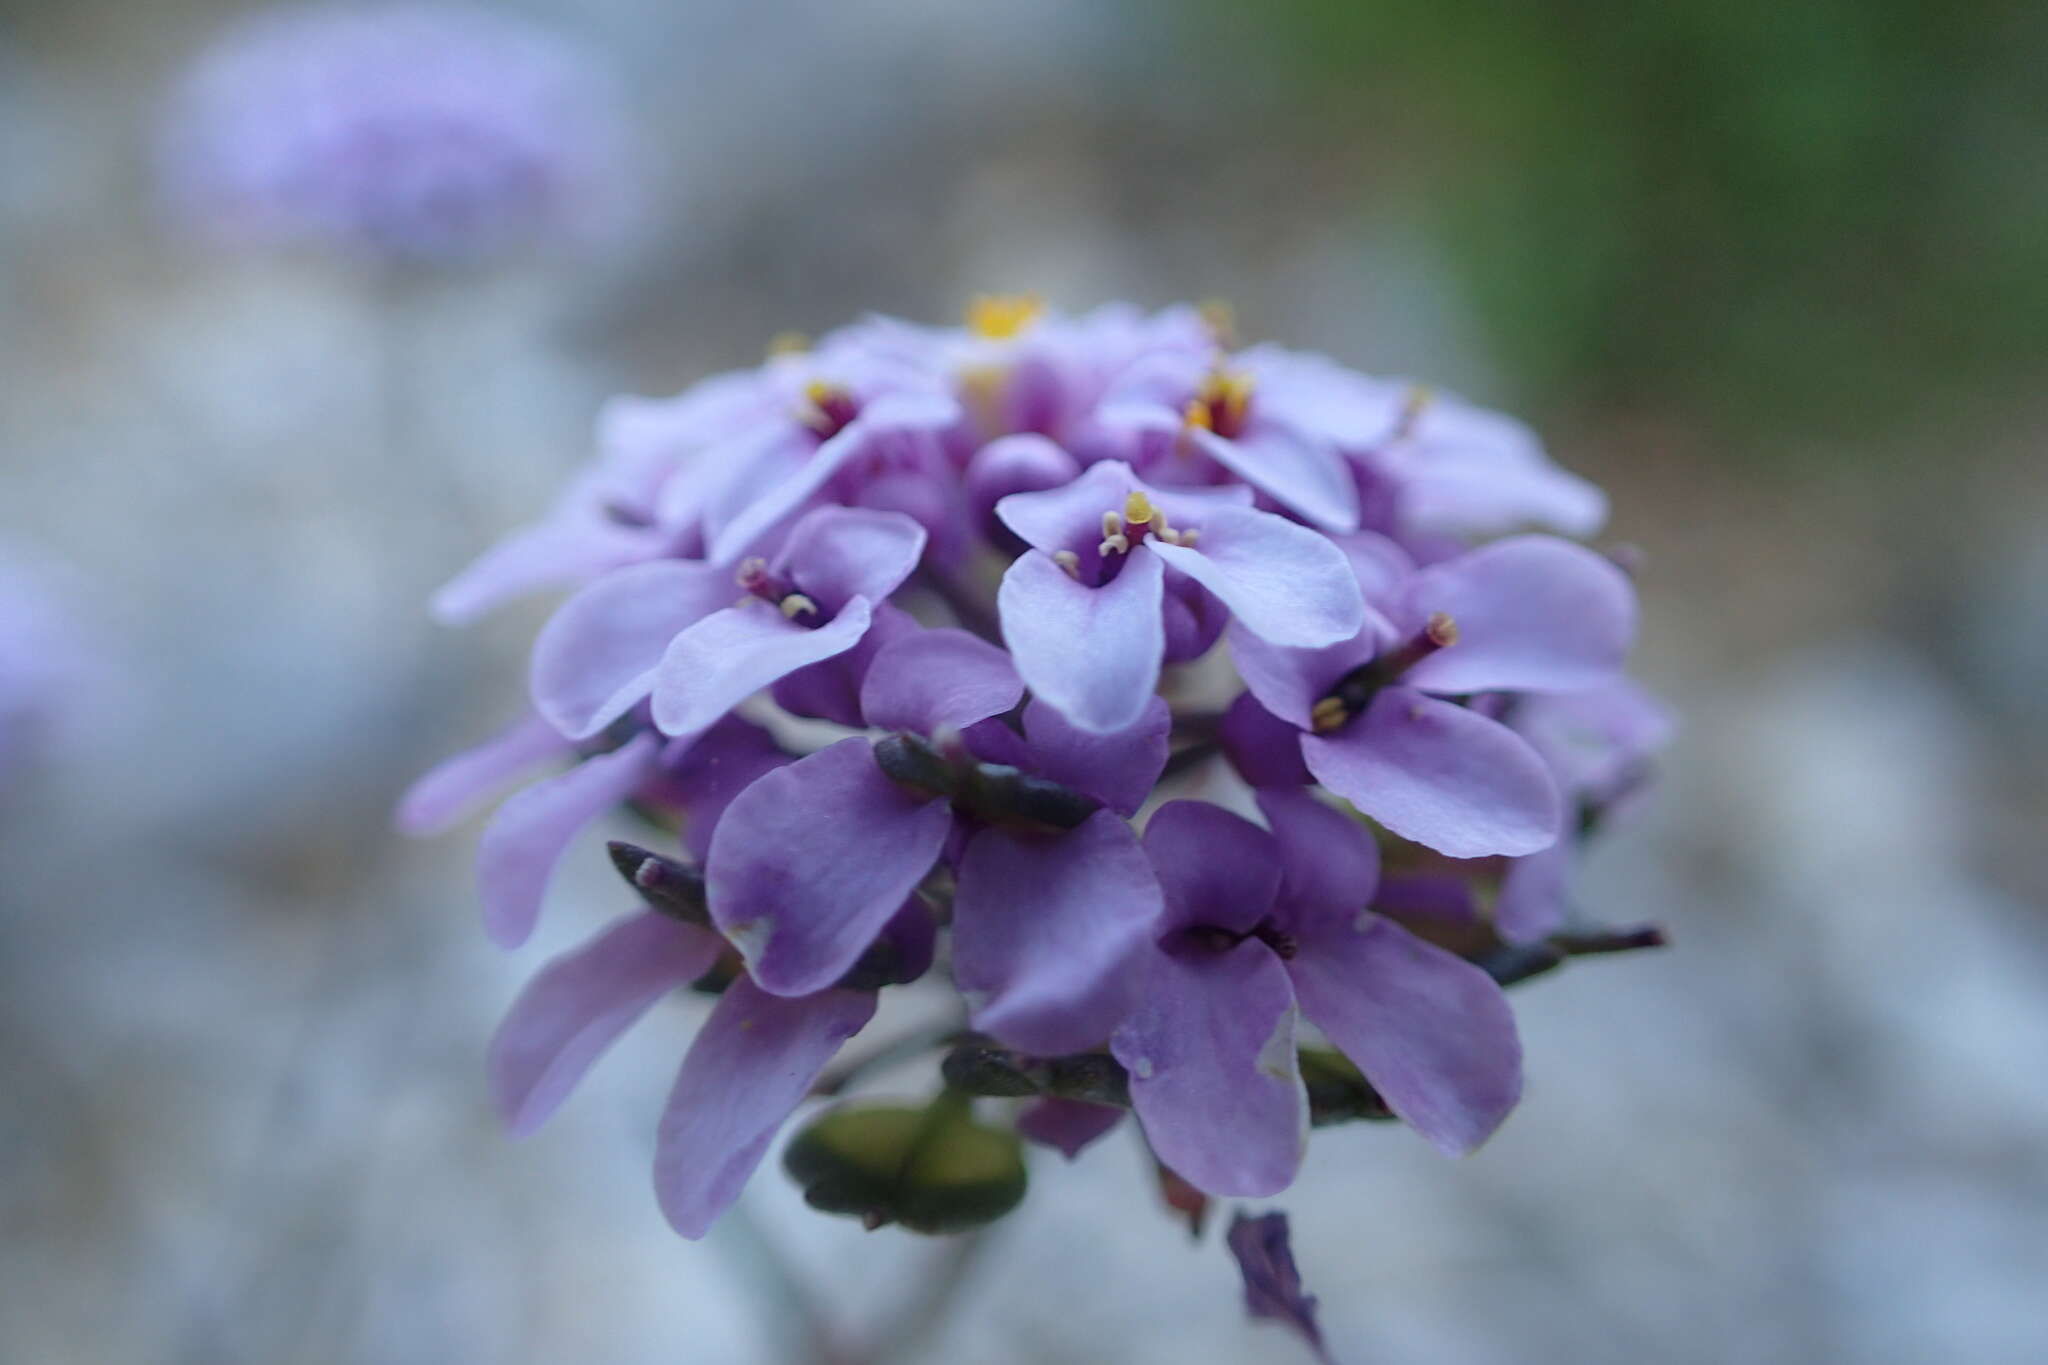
(1208, 720)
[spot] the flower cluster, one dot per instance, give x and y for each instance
(403, 130)
(1173, 702)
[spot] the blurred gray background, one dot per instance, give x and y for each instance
(1778, 279)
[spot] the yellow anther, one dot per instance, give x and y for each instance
(1197, 414)
(1112, 524)
(788, 343)
(750, 571)
(1187, 537)
(1068, 561)
(1441, 630)
(796, 604)
(1328, 714)
(998, 317)
(1138, 508)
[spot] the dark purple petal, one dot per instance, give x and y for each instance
(750, 1067)
(1015, 464)
(1214, 1076)
(596, 657)
(455, 786)
(1439, 774)
(1194, 616)
(516, 858)
(1068, 1125)
(702, 775)
(1045, 929)
(830, 688)
(837, 554)
(1289, 682)
(732, 654)
(1432, 1032)
(811, 861)
(1272, 1285)
(1265, 750)
(1117, 769)
(1286, 583)
(938, 679)
(579, 1003)
(1330, 865)
(1533, 614)
(1092, 652)
(1216, 869)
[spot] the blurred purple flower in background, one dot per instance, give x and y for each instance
(407, 131)
(43, 663)
(906, 637)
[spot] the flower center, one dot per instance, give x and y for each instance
(1221, 402)
(763, 586)
(827, 408)
(1356, 689)
(1000, 317)
(1123, 531)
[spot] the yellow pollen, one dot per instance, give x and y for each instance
(999, 317)
(796, 604)
(788, 343)
(1138, 509)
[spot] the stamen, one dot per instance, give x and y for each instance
(1222, 320)
(1420, 396)
(828, 407)
(752, 572)
(1138, 508)
(796, 604)
(998, 317)
(1114, 541)
(1441, 630)
(1068, 561)
(1328, 714)
(1197, 414)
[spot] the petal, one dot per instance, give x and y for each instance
(702, 774)
(1045, 930)
(1531, 904)
(1117, 769)
(1272, 1284)
(1330, 865)
(1534, 614)
(1289, 585)
(1015, 464)
(1069, 1125)
(836, 554)
(1214, 1076)
(795, 478)
(526, 838)
(451, 788)
(1301, 473)
(1069, 518)
(1441, 775)
(811, 861)
(1215, 868)
(578, 1004)
(1432, 1032)
(938, 679)
(1092, 652)
(595, 659)
(1289, 682)
(732, 654)
(1265, 750)
(830, 688)
(564, 550)
(748, 1070)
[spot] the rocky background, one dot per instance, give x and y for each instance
(1787, 321)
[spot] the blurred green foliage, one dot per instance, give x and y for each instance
(1823, 214)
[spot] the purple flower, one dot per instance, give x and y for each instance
(405, 130)
(1272, 1285)
(1531, 614)
(812, 860)
(1082, 610)
(1259, 924)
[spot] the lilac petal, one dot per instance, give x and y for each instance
(1118, 769)
(752, 1064)
(1015, 464)
(801, 475)
(1533, 613)
(1432, 1032)
(1289, 682)
(1068, 1125)
(1596, 741)
(736, 474)
(526, 838)
(1092, 652)
(1069, 518)
(836, 554)
(564, 550)
(1531, 905)
(732, 654)
(1265, 750)
(454, 786)
(1329, 864)
(1045, 930)
(595, 659)
(938, 679)
(810, 863)
(830, 688)
(1470, 472)
(1379, 564)
(1272, 1284)
(1214, 1076)
(1440, 774)
(1289, 585)
(578, 1004)
(1305, 475)
(1215, 868)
